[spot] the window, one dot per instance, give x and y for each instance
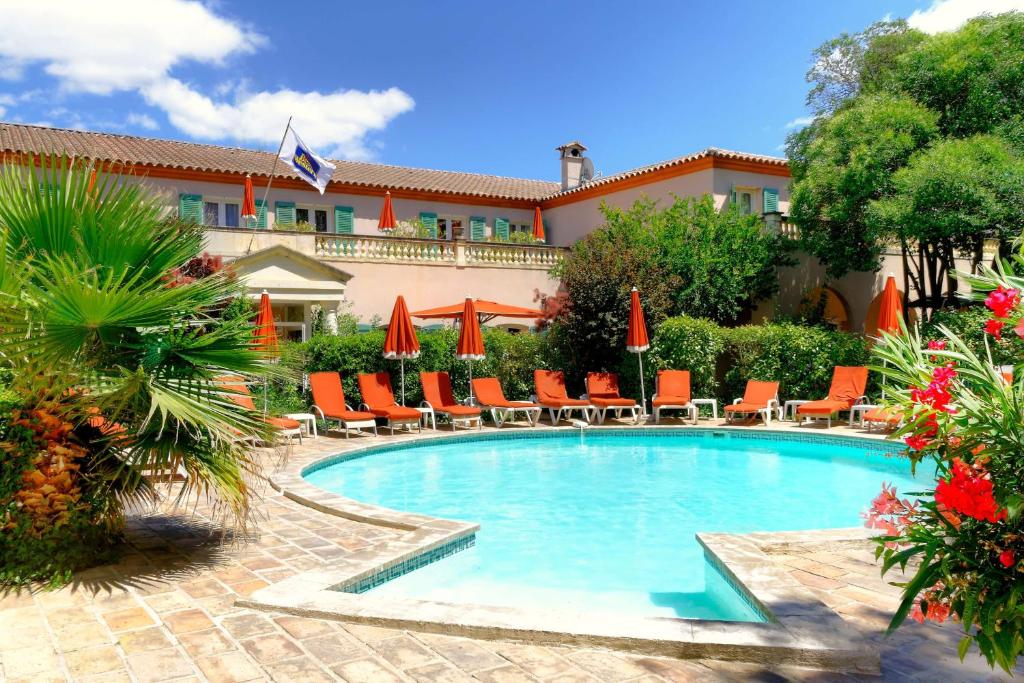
(745, 202)
(211, 213)
(231, 215)
(746, 199)
(523, 228)
(315, 217)
(449, 227)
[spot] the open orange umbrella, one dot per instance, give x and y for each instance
(248, 201)
(890, 309)
(485, 311)
(637, 340)
(401, 341)
(538, 226)
(386, 223)
(471, 341)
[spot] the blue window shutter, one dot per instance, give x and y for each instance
(501, 228)
(261, 214)
(732, 195)
(547, 231)
(771, 200)
(190, 207)
(429, 221)
(284, 214)
(477, 228)
(344, 220)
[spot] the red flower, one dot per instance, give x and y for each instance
(969, 492)
(1006, 558)
(995, 328)
(1002, 301)
(937, 345)
(917, 442)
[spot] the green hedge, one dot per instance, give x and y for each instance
(969, 325)
(721, 359)
(510, 357)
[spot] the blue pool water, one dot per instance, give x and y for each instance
(607, 521)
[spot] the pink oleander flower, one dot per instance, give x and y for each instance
(1007, 559)
(1002, 301)
(969, 492)
(995, 328)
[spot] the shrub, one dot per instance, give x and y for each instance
(693, 344)
(968, 325)
(801, 359)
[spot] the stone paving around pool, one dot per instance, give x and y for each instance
(166, 612)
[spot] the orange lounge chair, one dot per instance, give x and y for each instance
(239, 393)
(489, 395)
(438, 396)
(672, 392)
(759, 398)
(379, 399)
(551, 394)
(847, 390)
(886, 416)
(603, 394)
(329, 402)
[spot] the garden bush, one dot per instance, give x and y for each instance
(968, 325)
(693, 344)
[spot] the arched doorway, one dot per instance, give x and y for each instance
(834, 308)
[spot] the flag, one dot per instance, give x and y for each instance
(314, 169)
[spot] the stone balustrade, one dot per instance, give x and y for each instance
(442, 252)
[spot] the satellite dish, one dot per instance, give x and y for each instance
(587, 172)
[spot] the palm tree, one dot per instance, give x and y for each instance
(100, 331)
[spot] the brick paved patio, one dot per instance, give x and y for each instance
(166, 612)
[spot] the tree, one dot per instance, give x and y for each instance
(115, 358)
(843, 64)
(945, 200)
(726, 262)
(846, 162)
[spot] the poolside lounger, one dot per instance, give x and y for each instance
(438, 396)
(847, 390)
(551, 394)
(329, 403)
(672, 392)
(887, 416)
(603, 394)
(379, 399)
(489, 395)
(759, 398)
(239, 393)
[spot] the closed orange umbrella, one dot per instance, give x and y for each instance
(265, 332)
(637, 340)
(471, 341)
(401, 341)
(538, 226)
(386, 223)
(248, 201)
(890, 309)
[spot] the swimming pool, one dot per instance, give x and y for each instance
(605, 521)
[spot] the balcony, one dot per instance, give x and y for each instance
(232, 242)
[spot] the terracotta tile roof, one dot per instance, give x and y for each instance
(678, 161)
(130, 149)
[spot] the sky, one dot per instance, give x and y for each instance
(483, 87)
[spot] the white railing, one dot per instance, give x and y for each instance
(393, 249)
(503, 254)
(457, 252)
(787, 229)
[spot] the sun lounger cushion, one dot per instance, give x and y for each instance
(282, 422)
(670, 401)
(848, 384)
(329, 396)
(437, 391)
(823, 407)
(887, 415)
(550, 386)
(489, 394)
(612, 402)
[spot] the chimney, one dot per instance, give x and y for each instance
(576, 168)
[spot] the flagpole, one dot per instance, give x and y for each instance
(270, 180)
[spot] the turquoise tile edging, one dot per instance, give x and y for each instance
(879, 446)
(752, 602)
(394, 571)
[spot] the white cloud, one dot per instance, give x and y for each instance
(332, 123)
(948, 15)
(800, 122)
(105, 46)
(142, 121)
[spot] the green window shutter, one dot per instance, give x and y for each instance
(477, 228)
(547, 231)
(771, 200)
(190, 207)
(732, 196)
(344, 220)
(429, 221)
(284, 214)
(501, 228)
(261, 214)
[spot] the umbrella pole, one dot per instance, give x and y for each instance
(643, 395)
(401, 362)
(471, 401)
